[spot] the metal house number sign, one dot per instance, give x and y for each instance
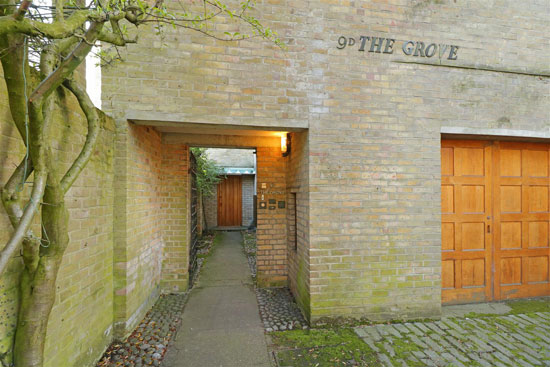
(409, 48)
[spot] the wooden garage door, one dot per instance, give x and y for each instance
(466, 215)
(230, 201)
(495, 220)
(521, 207)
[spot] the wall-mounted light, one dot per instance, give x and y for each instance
(285, 144)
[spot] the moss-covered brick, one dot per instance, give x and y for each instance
(80, 325)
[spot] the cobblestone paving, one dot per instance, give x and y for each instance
(278, 310)
(512, 340)
(146, 346)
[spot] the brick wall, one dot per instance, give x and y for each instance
(271, 235)
(85, 279)
(374, 120)
(139, 240)
(175, 207)
(247, 200)
(151, 253)
(271, 170)
(128, 220)
(298, 220)
(375, 230)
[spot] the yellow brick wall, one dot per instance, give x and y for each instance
(272, 224)
(175, 208)
(374, 122)
(298, 190)
(80, 326)
(271, 256)
(138, 254)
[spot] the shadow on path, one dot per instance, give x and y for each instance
(221, 325)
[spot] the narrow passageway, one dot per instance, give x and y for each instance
(221, 325)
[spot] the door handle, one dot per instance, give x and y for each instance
(488, 228)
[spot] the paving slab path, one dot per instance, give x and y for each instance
(506, 340)
(221, 325)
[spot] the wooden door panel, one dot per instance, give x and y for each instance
(510, 271)
(473, 199)
(537, 234)
(521, 237)
(473, 236)
(511, 198)
(495, 203)
(466, 210)
(448, 236)
(473, 273)
(469, 160)
(511, 235)
(447, 199)
(230, 201)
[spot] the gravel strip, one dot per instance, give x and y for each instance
(249, 245)
(252, 265)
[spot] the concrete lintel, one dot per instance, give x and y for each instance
(221, 141)
(158, 119)
(512, 134)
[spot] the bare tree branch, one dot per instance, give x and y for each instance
(175, 19)
(14, 65)
(55, 30)
(91, 138)
(26, 219)
(114, 38)
(68, 65)
(59, 5)
(22, 10)
(224, 38)
(39, 123)
(156, 5)
(11, 191)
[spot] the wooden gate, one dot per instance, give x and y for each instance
(230, 202)
(495, 220)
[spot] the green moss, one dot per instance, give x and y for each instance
(401, 321)
(9, 302)
(217, 239)
(204, 239)
(522, 306)
(341, 321)
(335, 347)
(303, 293)
(269, 282)
(403, 351)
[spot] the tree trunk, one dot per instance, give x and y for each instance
(38, 287)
